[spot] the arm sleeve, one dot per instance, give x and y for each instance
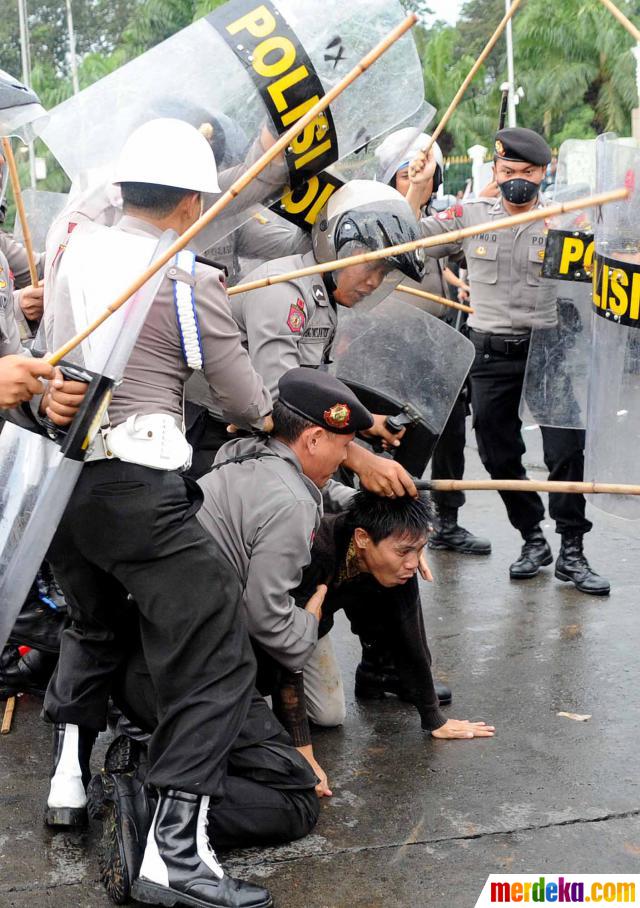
(336, 496)
(290, 708)
(226, 364)
(266, 236)
(265, 186)
(439, 226)
(279, 553)
(407, 639)
(273, 335)
(16, 255)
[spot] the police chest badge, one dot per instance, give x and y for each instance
(297, 318)
(338, 416)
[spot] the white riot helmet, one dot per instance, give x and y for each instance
(364, 215)
(399, 149)
(168, 152)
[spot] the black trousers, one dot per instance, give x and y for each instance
(496, 388)
(132, 530)
(269, 788)
(448, 458)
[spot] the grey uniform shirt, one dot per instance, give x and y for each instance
(286, 325)
(9, 334)
(156, 372)
(504, 266)
(16, 255)
(264, 513)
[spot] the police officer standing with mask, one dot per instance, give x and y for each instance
(504, 270)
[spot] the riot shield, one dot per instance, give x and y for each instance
(39, 473)
(21, 114)
(41, 208)
(403, 361)
(252, 62)
(556, 378)
(613, 414)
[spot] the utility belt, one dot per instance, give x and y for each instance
(152, 441)
(514, 346)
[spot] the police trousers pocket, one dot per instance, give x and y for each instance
(111, 489)
(483, 264)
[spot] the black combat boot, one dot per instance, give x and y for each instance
(376, 676)
(535, 554)
(179, 864)
(28, 674)
(67, 801)
(572, 566)
(119, 798)
(38, 624)
(455, 538)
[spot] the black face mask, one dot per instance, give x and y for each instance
(519, 191)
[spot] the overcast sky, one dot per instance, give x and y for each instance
(446, 9)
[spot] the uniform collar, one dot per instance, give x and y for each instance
(284, 452)
(131, 224)
(498, 206)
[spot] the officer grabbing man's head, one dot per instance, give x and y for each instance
(361, 217)
(520, 162)
(164, 168)
(317, 416)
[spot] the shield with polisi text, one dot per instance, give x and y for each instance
(556, 379)
(613, 412)
(263, 65)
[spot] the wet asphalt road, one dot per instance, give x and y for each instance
(415, 821)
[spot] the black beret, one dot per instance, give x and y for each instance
(324, 400)
(519, 144)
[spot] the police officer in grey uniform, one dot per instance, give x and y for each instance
(447, 462)
(294, 323)
(504, 273)
(263, 505)
(130, 528)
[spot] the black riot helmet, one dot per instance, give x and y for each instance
(366, 215)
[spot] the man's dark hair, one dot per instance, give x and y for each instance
(152, 197)
(287, 425)
(384, 517)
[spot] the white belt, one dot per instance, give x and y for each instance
(152, 441)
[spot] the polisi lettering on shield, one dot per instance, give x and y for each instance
(302, 205)
(569, 255)
(616, 290)
(286, 79)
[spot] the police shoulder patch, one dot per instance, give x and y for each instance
(454, 212)
(297, 317)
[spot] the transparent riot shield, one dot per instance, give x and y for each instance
(255, 63)
(556, 378)
(38, 474)
(403, 362)
(41, 208)
(613, 415)
(21, 114)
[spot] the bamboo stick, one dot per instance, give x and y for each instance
(241, 183)
(527, 217)
(423, 294)
(526, 485)
(17, 194)
(622, 19)
(7, 719)
(471, 74)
